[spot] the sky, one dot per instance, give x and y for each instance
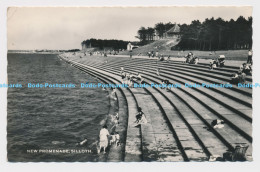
(30, 28)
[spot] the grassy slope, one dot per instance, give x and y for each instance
(162, 47)
(159, 45)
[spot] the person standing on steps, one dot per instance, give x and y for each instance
(123, 76)
(113, 93)
(249, 58)
(131, 54)
(157, 54)
(158, 72)
(168, 59)
(149, 54)
(103, 138)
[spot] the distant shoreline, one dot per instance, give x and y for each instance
(23, 52)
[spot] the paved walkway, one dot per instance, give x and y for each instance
(234, 63)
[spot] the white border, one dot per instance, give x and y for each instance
(180, 167)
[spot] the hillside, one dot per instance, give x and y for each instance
(88, 50)
(161, 46)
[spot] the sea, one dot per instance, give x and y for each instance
(48, 124)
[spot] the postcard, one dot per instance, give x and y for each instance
(130, 84)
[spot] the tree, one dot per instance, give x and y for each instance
(159, 27)
(217, 34)
(142, 34)
(150, 32)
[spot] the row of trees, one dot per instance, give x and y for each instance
(147, 34)
(103, 44)
(217, 34)
(211, 34)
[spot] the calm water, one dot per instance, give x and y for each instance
(51, 118)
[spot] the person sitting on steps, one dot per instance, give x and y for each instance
(212, 64)
(189, 57)
(140, 117)
(246, 68)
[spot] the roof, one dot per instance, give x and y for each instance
(221, 56)
(174, 29)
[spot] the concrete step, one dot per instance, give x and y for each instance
(116, 153)
(219, 72)
(182, 79)
(247, 127)
(242, 110)
(189, 76)
(216, 150)
(229, 135)
(191, 146)
(157, 138)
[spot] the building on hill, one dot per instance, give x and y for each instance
(131, 47)
(172, 33)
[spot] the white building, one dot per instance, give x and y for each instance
(129, 46)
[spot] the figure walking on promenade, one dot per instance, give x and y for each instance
(249, 58)
(131, 54)
(103, 138)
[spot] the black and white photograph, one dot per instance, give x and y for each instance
(130, 84)
(87, 84)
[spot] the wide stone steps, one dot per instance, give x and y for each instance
(223, 73)
(228, 130)
(188, 75)
(229, 104)
(178, 123)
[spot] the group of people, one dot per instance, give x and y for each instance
(159, 56)
(130, 78)
(162, 58)
(105, 139)
(191, 59)
(219, 62)
(166, 84)
(244, 70)
(240, 76)
(102, 53)
(152, 54)
(112, 95)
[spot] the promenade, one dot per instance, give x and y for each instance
(179, 126)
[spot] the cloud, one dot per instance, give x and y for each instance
(66, 27)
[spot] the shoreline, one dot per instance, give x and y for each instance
(116, 122)
(35, 53)
(202, 61)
